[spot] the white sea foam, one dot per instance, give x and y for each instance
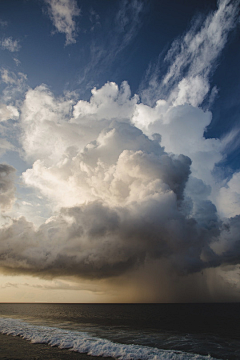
(82, 342)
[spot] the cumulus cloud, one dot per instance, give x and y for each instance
(10, 44)
(64, 125)
(122, 201)
(62, 13)
(173, 123)
(120, 192)
(110, 169)
(125, 205)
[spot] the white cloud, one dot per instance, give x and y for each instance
(192, 59)
(62, 13)
(10, 44)
(197, 53)
(128, 19)
(231, 140)
(8, 77)
(63, 125)
(173, 123)
(8, 112)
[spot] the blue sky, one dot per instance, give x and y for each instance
(119, 148)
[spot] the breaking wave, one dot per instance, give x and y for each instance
(82, 342)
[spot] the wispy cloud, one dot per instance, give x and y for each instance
(3, 23)
(63, 285)
(9, 77)
(62, 13)
(94, 19)
(103, 53)
(128, 20)
(55, 285)
(17, 61)
(15, 84)
(10, 44)
(231, 140)
(193, 57)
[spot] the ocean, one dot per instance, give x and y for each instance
(130, 331)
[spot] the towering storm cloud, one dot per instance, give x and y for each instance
(131, 184)
(121, 198)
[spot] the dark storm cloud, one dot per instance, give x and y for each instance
(95, 241)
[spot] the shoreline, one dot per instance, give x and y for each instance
(17, 348)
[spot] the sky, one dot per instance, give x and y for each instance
(120, 151)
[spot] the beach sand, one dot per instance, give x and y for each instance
(16, 348)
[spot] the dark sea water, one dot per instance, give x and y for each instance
(130, 331)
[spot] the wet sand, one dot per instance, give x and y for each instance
(16, 348)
